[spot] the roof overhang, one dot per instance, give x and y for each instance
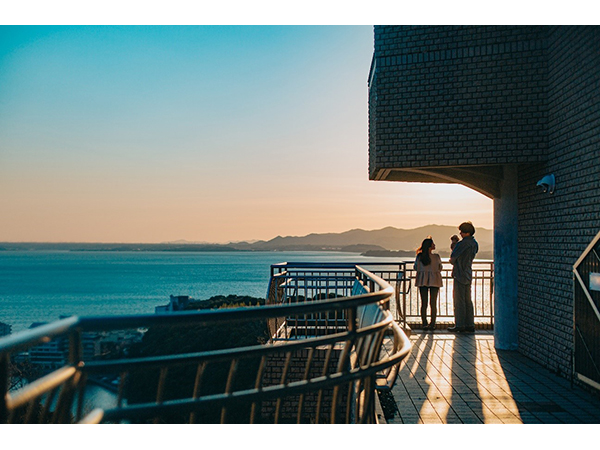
(486, 180)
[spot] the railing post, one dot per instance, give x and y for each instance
(4, 380)
(352, 325)
(406, 286)
(75, 351)
(492, 294)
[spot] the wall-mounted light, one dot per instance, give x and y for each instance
(548, 183)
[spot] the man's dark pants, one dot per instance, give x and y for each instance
(463, 305)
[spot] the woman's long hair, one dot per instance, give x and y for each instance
(423, 251)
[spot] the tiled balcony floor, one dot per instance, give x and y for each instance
(463, 379)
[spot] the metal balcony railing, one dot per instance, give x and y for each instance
(296, 282)
(323, 364)
(482, 294)
(299, 280)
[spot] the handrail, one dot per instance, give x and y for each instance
(356, 353)
(37, 335)
(268, 392)
(45, 332)
(482, 292)
(218, 355)
(38, 387)
(406, 307)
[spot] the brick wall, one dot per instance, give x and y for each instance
(455, 96)
(555, 229)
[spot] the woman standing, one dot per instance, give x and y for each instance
(428, 266)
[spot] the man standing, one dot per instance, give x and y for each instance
(461, 259)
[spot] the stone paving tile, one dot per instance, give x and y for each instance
(463, 379)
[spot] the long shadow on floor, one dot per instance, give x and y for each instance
(410, 393)
(466, 401)
(438, 382)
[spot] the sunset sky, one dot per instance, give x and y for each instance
(202, 133)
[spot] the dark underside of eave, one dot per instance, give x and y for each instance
(484, 179)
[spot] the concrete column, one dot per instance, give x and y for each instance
(506, 315)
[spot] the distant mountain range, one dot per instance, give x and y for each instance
(387, 241)
(400, 241)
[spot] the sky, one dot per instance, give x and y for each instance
(200, 133)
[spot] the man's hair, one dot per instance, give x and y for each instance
(467, 227)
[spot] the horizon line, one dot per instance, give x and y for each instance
(248, 241)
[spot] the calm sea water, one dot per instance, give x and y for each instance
(38, 286)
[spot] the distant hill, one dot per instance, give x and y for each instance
(374, 241)
(387, 241)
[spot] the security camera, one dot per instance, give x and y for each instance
(548, 184)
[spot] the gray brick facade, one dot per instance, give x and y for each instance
(461, 104)
(446, 96)
(555, 230)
